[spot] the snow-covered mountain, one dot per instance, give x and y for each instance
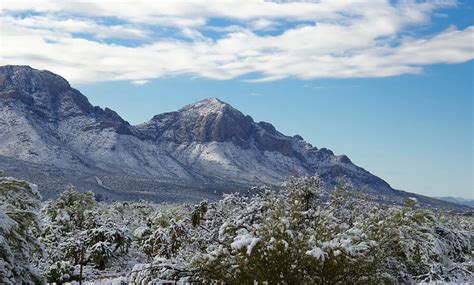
(216, 140)
(458, 200)
(51, 135)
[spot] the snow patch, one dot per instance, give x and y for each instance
(244, 239)
(317, 253)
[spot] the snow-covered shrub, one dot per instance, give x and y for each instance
(301, 234)
(120, 238)
(19, 226)
(100, 253)
(288, 237)
(103, 241)
(71, 209)
(59, 272)
(305, 235)
(72, 249)
(426, 246)
(165, 241)
(80, 231)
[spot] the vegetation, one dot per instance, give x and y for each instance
(19, 225)
(300, 235)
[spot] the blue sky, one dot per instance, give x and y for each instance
(387, 83)
(414, 131)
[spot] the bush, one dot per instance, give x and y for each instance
(306, 235)
(59, 272)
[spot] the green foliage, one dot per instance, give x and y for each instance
(410, 202)
(294, 243)
(59, 272)
(81, 231)
(302, 192)
(72, 249)
(19, 226)
(300, 235)
(198, 214)
(116, 237)
(165, 242)
(100, 253)
(71, 208)
(306, 235)
(17, 195)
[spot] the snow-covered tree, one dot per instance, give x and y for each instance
(306, 235)
(71, 209)
(59, 272)
(301, 234)
(19, 226)
(100, 253)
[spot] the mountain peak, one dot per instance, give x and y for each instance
(30, 80)
(50, 98)
(206, 107)
(50, 130)
(214, 101)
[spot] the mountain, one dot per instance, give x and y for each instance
(51, 135)
(458, 200)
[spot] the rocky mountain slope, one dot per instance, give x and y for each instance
(458, 200)
(51, 135)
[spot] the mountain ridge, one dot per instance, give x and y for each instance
(207, 144)
(458, 200)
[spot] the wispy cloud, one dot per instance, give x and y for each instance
(327, 39)
(263, 24)
(140, 82)
(320, 87)
(71, 26)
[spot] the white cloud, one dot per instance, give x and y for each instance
(76, 26)
(227, 29)
(263, 24)
(335, 39)
(140, 82)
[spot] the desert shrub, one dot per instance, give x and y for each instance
(307, 235)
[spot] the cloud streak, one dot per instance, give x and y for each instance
(262, 41)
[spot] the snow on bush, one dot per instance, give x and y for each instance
(19, 224)
(299, 235)
(304, 235)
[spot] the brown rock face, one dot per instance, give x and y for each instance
(51, 98)
(206, 121)
(212, 120)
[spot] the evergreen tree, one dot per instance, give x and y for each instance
(19, 226)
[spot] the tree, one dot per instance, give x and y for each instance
(305, 234)
(71, 209)
(59, 272)
(19, 226)
(100, 253)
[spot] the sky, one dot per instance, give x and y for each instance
(388, 83)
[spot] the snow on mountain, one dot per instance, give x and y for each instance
(45, 121)
(458, 200)
(50, 132)
(212, 137)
